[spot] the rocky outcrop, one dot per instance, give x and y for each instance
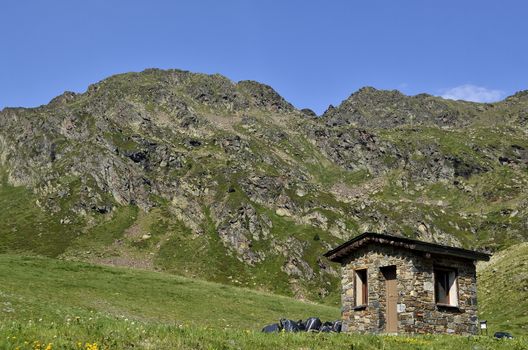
(372, 108)
(240, 228)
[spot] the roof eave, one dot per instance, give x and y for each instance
(339, 253)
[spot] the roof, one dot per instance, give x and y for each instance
(338, 254)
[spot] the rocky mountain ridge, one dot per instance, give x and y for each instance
(201, 176)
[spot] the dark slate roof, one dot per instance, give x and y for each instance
(339, 253)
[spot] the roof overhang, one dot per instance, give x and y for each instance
(339, 253)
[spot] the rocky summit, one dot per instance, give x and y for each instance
(198, 175)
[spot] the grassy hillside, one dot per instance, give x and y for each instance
(69, 288)
(503, 290)
(75, 305)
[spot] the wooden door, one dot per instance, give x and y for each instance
(391, 288)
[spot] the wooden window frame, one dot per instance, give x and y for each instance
(361, 275)
(452, 301)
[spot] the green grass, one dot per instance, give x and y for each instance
(24, 227)
(503, 290)
(96, 333)
(73, 305)
(107, 230)
(45, 288)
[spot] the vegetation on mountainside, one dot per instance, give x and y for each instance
(24, 227)
(503, 287)
(200, 176)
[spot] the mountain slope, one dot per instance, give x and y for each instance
(201, 176)
(137, 295)
(503, 286)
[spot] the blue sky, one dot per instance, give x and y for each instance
(314, 53)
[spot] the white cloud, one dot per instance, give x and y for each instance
(473, 93)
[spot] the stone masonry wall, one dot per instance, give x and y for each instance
(417, 310)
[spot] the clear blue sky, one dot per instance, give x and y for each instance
(314, 53)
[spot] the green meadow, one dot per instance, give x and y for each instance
(53, 304)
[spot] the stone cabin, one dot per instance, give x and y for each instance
(399, 285)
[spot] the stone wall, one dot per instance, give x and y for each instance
(417, 310)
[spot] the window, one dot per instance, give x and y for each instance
(446, 292)
(361, 285)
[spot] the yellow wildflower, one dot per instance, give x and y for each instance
(93, 346)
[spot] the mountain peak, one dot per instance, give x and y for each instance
(518, 96)
(263, 95)
(373, 108)
(174, 88)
